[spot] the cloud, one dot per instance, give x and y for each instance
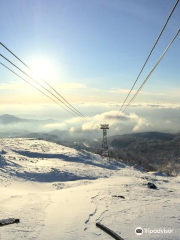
(73, 120)
(113, 114)
(90, 126)
(72, 129)
(125, 91)
(107, 118)
(137, 104)
(5, 86)
(100, 104)
(164, 105)
(55, 125)
(144, 116)
(72, 86)
(142, 125)
(168, 122)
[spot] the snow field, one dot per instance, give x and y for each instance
(60, 193)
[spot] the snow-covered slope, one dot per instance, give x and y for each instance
(43, 161)
(60, 193)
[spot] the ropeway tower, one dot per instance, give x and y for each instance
(105, 150)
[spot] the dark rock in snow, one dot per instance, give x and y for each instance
(4, 222)
(118, 196)
(151, 185)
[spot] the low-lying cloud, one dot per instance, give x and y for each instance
(140, 117)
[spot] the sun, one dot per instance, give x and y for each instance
(44, 70)
(41, 70)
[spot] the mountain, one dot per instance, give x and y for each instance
(8, 119)
(145, 135)
(154, 148)
(46, 136)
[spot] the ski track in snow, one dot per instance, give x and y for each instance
(100, 217)
(91, 215)
(92, 198)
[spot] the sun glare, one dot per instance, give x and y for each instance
(41, 70)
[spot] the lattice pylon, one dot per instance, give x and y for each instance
(105, 150)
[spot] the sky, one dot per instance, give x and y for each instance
(91, 51)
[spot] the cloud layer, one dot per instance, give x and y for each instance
(140, 117)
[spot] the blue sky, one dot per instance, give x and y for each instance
(93, 49)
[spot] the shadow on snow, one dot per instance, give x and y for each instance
(81, 158)
(53, 176)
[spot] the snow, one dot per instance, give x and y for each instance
(86, 145)
(60, 193)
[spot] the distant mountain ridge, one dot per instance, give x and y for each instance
(6, 119)
(149, 135)
(9, 119)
